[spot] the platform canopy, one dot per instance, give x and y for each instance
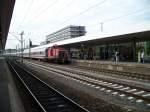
(111, 39)
(6, 10)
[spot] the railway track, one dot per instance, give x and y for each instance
(47, 98)
(136, 76)
(127, 91)
(139, 76)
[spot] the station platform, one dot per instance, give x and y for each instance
(9, 98)
(133, 67)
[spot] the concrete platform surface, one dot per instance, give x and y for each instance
(4, 98)
(4, 92)
(9, 98)
(119, 66)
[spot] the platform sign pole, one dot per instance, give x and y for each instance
(101, 27)
(21, 34)
(16, 52)
(29, 49)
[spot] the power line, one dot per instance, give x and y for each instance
(86, 10)
(37, 8)
(25, 15)
(121, 16)
(125, 15)
(27, 12)
(14, 36)
(79, 14)
(44, 10)
(66, 6)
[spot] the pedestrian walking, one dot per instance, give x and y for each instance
(116, 56)
(142, 56)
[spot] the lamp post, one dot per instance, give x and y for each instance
(21, 34)
(101, 26)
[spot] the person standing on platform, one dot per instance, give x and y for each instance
(114, 56)
(117, 56)
(142, 56)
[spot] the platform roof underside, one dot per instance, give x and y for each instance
(6, 10)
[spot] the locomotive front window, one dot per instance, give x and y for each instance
(61, 54)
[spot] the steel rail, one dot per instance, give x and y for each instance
(67, 73)
(68, 99)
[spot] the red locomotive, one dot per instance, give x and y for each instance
(57, 54)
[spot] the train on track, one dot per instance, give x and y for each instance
(54, 54)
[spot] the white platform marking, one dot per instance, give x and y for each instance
(122, 95)
(130, 98)
(125, 88)
(93, 85)
(131, 90)
(114, 93)
(109, 83)
(118, 87)
(146, 95)
(113, 85)
(80, 81)
(97, 87)
(84, 83)
(139, 101)
(148, 104)
(139, 92)
(102, 89)
(100, 80)
(88, 84)
(108, 91)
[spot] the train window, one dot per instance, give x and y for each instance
(62, 54)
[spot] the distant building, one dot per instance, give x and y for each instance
(10, 50)
(34, 46)
(44, 42)
(71, 31)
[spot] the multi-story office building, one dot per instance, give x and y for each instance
(66, 33)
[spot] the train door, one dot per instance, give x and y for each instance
(46, 53)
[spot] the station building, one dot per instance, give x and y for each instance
(129, 46)
(68, 32)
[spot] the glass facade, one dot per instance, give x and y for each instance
(107, 51)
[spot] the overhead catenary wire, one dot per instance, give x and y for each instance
(128, 14)
(43, 4)
(43, 11)
(105, 21)
(26, 14)
(66, 6)
(81, 13)
(14, 36)
(86, 10)
(121, 16)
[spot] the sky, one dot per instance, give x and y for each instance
(38, 18)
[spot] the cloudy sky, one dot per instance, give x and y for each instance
(38, 18)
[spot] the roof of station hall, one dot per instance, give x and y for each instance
(6, 11)
(101, 38)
